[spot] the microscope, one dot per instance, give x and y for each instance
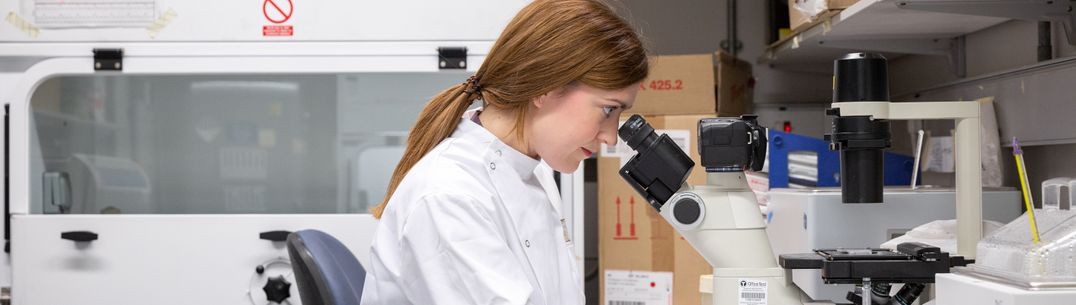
(722, 221)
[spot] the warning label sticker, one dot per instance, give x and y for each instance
(752, 292)
(624, 287)
(278, 12)
(277, 30)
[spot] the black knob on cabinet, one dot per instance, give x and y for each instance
(277, 289)
(274, 235)
(79, 236)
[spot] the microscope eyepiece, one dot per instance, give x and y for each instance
(636, 131)
(660, 168)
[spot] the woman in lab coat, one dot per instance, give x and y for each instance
(472, 212)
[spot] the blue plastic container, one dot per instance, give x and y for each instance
(898, 168)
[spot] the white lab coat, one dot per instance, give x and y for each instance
(473, 222)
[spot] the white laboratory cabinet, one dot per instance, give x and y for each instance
(159, 176)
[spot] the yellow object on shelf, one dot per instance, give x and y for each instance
(1021, 169)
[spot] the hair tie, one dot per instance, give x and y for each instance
(471, 85)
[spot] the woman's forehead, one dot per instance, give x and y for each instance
(622, 95)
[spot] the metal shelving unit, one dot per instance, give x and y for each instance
(885, 26)
(1036, 93)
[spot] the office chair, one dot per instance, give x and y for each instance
(325, 270)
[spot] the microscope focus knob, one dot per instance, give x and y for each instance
(687, 210)
(277, 289)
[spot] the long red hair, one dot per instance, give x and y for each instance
(548, 45)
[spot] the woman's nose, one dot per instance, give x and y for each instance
(607, 134)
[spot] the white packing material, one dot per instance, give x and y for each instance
(938, 233)
(811, 7)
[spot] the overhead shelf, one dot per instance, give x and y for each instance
(877, 26)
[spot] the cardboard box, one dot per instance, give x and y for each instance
(688, 268)
(631, 235)
(693, 84)
(798, 18)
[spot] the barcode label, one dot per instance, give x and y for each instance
(752, 295)
(753, 292)
(634, 287)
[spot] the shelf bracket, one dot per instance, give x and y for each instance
(1034, 10)
(957, 60)
(921, 46)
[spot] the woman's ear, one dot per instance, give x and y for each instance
(551, 97)
(540, 101)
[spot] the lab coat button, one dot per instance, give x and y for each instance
(498, 152)
(492, 166)
(527, 243)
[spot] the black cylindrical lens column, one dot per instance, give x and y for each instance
(861, 176)
(860, 77)
(861, 142)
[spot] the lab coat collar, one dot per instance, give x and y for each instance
(501, 153)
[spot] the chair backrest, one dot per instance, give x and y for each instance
(326, 272)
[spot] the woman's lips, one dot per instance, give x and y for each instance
(588, 153)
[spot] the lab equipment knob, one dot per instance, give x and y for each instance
(687, 211)
(277, 289)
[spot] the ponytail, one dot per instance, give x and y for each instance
(436, 122)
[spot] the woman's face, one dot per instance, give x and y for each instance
(570, 124)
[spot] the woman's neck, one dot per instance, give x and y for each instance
(502, 123)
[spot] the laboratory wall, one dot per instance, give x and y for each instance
(1005, 47)
(699, 26)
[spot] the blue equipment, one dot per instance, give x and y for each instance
(325, 270)
(897, 167)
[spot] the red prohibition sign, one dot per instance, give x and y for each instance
(271, 5)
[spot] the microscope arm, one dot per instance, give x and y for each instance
(967, 143)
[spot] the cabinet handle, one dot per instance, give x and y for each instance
(79, 236)
(274, 235)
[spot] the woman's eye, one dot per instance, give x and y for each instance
(609, 110)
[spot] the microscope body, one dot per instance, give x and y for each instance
(729, 232)
(720, 219)
(728, 218)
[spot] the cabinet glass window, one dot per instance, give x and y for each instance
(222, 144)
